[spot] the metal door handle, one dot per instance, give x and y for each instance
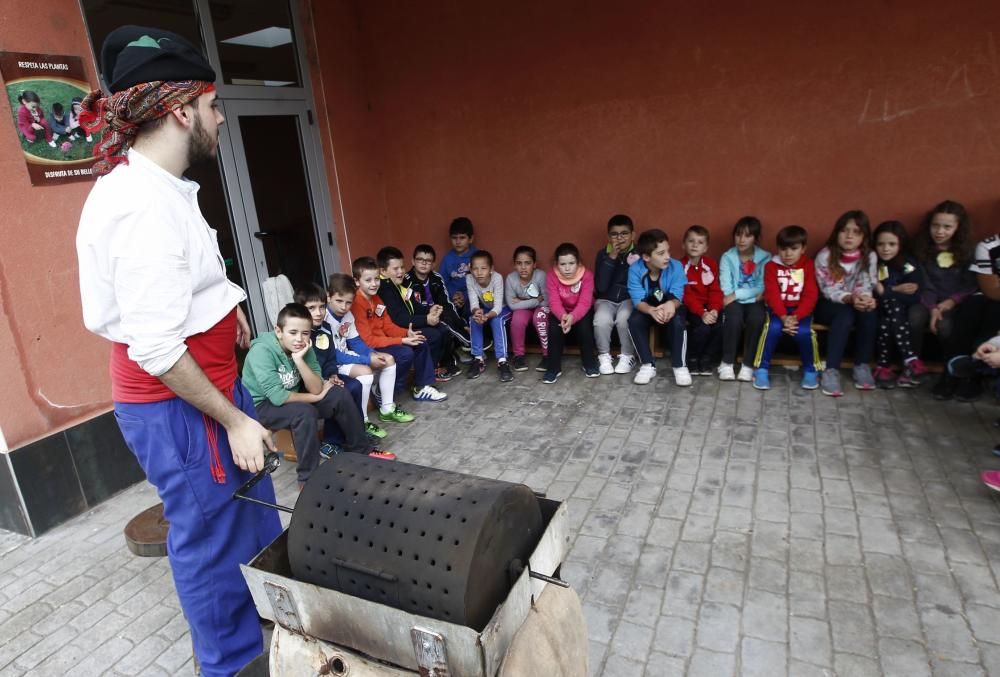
(261, 234)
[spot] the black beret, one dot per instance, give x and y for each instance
(135, 54)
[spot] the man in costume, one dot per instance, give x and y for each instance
(154, 283)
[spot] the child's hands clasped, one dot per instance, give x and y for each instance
(790, 325)
(864, 303)
(665, 312)
(379, 360)
(710, 316)
(479, 317)
(566, 323)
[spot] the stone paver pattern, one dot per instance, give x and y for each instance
(718, 530)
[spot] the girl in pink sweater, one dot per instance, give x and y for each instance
(570, 289)
(31, 118)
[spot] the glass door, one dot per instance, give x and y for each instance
(283, 226)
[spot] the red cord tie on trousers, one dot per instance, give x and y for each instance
(212, 350)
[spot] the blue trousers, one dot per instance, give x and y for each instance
(805, 339)
(420, 359)
(498, 325)
(332, 431)
(675, 332)
(210, 533)
(841, 317)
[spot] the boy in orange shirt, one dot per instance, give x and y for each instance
(378, 331)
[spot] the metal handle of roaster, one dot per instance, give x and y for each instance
(517, 566)
(271, 463)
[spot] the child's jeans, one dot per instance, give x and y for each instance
(519, 321)
(675, 332)
(607, 315)
(332, 432)
(498, 327)
(420, 358)
(841, 317)
(805, 339)
(746, 319)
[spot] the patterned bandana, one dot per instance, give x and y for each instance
(124, 111)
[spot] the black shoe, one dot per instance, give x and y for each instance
(551, 376)
(518, 363)
(694, 367)
(944, 389)
(476, 368)
(506, 375)
(591, 372)
(543, 365)
(963, 366)
(968, 390)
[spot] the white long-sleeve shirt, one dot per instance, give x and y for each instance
(151, 273)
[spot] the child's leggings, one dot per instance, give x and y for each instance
(519, 321)
(735, 317)
(805, 339)
(893, 330)
(499, 329)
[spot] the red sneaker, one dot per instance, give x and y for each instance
(917, 367)
(383, 454)
(991, 478)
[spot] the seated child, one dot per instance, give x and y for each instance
(703, 299)
(279, 366)
(74, 128)
(612, 307)
(355, 357)
(429, 290)
(456, 264)
(405, 346)
(569, 289)
(524, 292)
(741, 273)
(313, 297)
(404, 311)
(484, 289)
(58, 120)
(846, 271)
(31, 120)
(656, 284)
(791, 291)
(897, 288)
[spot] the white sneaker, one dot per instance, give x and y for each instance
(726, 372)
(646, 373)
(625, 364)
(52, 143)
(682, 376)
(746, 374)
(604, 364)
(429, 394)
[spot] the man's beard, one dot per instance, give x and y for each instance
(201, 147)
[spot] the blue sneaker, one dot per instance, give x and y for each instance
(810, 380)
(761, 379)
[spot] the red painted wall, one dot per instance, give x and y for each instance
(540, 120)
(55, 372)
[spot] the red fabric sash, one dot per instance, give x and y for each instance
(213, 351)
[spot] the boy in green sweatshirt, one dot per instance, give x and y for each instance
(283, 376)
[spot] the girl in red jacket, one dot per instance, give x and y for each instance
(703, 299)
(31, 118)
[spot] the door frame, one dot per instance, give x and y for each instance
(236, 178)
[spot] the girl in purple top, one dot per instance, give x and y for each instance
(570, 292)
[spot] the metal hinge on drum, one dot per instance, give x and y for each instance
(285, 612)
(429, 649)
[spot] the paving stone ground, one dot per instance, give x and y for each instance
(718, 531)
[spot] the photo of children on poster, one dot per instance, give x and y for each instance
(44, 92)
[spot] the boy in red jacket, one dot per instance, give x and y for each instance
(378, 331)
(703, 299)
(790, 291)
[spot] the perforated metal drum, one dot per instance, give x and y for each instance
(432, 542)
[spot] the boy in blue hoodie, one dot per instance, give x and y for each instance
(457, 263)
(283, 376)
(612, 305)
(656, 287)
